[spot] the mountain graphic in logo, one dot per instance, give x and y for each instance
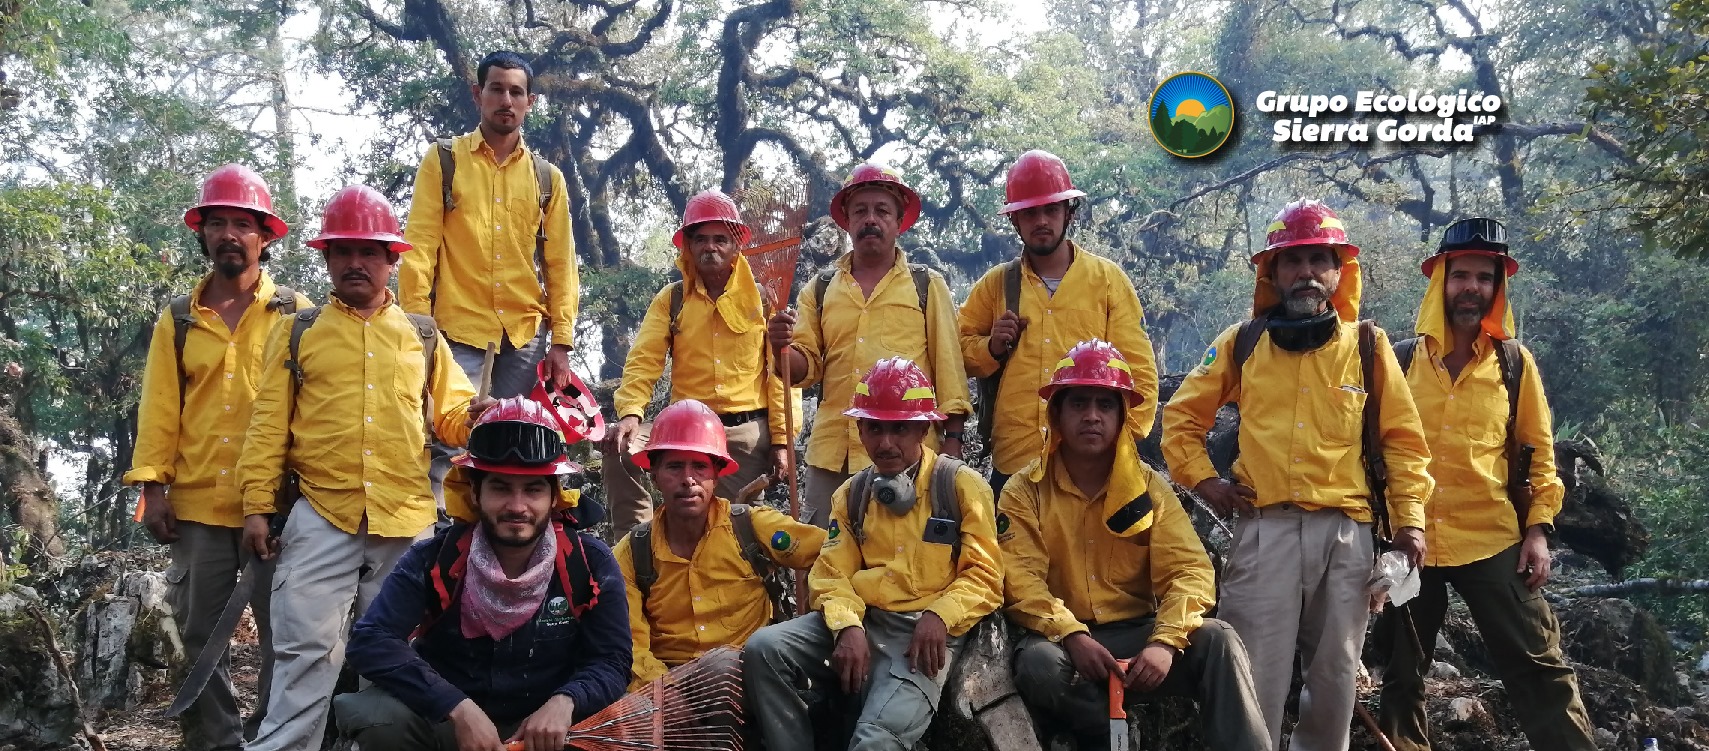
(1191, 114)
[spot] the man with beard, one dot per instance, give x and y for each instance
(1103, 563)
(1302, 553)
(506, 630)
(871, 304)
(349, 392)
(909, 565)
(1057, 293)
(711, 325)
(697, 573)
(201, 377)
(493, 260)
(1482, 401)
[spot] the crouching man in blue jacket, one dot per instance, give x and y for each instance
(506, 630)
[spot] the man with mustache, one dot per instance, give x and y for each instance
(1057, 293)
(1487, 532)
(349, 393)
(871, 304)
(203, 363)
(909, 565)
(1103, 563)
(694, 573)
(711, 326)
(506, 629)
(494, 260)
(1302, 552)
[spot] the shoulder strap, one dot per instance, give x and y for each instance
(1012, 286)
(986, 409)
(922, 282)
(284, 300)
(945, 503)
(1246, 340)
(676, 311)
(294, 360)
(742, 520)
(447, 171)
(543, 183)
(445, 574)
(182, 322)
(1511, 359)
(822, 282)
(1404, 351)
(641, 558)
(1376, 471)
(427, 331)
(860, 487)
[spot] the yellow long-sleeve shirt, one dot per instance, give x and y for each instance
(193, 446)
(1301, 421)
(352, 431)
(1470, 517)
(842, 342)
(710, 362)
(1065, 570)
(473, 270)
(897, 570)
(1094, 299)
(714, 599)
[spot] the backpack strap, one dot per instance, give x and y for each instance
(447, 171)
(427, 331)
(1246, 340)
(1404, 351)
(575, 573)
(922, 282)
(822, 282)
(742, 521)
(860, 492)
(182, 321)
(294, 361)
(284, 301)
(445, 574)
(946, 504)
(543, 184)
(988, 386)
(676, 312)
(1376, 468)
(641, 558)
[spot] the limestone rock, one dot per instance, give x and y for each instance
(127, 637)
(38, 706)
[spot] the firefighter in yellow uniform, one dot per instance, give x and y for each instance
(694, 583)
(1062, 294)
(1460, 366)
(711, 327)
(910, 564)
(1101, 563)
(202, 373)
(1301, 556)
(871, 305)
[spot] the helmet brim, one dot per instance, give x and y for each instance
(1347, 250)
(894, 415)
(644, 459)
(193, 217)
(680, 239)
(1134, 398)
(1429, 265)
(1027, 203)
(559, 467)
(910, 203)
(393, 243)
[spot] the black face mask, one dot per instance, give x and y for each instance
(1303, 334)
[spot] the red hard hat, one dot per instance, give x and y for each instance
(1307, 222)
(1038, 178)
(516, 436)
(1093, 363)
(869, 173)
(358, 212)
(710, 206)
(895, 390)
(577, 414)
(687, 425)
(238, 187)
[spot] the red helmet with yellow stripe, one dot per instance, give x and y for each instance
(1306, 222)
(895, 390)
(1093, 363)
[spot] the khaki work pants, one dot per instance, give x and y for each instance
(205, 563)
(628, 490)
(1522, 637)
(377, 721)
(322, 571)
(785, 668)
(816, 496)
(1295, 584)
(1213, 670)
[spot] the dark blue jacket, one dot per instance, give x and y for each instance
(587, 658)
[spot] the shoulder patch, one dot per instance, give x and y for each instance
(1210, 357)
(780, 540)
(831, 534)
(1002, 522)
(557, 606)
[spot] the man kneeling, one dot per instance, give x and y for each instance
(897, 584)
(506, 630)
(1103, 564)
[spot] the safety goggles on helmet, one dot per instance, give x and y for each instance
(515, 443)
(1475, 231)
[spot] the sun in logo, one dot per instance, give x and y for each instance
(1192, 114)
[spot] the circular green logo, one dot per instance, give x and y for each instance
(1002, 523)
(780, 541)
(834, 530)
(1210, 357)
(558, 606)
(1191, 115)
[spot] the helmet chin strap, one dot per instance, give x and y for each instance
(1303, 334)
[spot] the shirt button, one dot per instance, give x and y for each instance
(225, 439)
(500, 312)
(702, 628)
(228, 407)
(1445, 427)
(1299, 424)
(1049, 312)
(498, 200)
(1450, 396)
(898, 548)
(860, 339)
(368, 452)
(1296, 494)
(222, 471)
(229, 376)
(370, 354)
(697, 598)
(495, 285)
(370, 418)
(1047, 341)
(1296, 460)
(367, 484)
(1094, 577)
(1305, 389)
(498, 226)
(717, 361)
(370, 387)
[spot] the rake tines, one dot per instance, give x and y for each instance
(697, 706)
(775, 214)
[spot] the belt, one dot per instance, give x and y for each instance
(733, 419)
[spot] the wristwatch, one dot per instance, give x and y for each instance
(955, 434)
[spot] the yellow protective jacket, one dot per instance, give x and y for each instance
(1465, 423)
(853, 332)
(896, 570)
(1094, 299)
(353, 430)
(714, 599)
(1301, 419)
(193, 446)
(717, 356)
(1064, 570)
(473, 270)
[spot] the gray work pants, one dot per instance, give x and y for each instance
(628, 491)
(377, 721)
(816, 496)
(514, 374)
(205, 563)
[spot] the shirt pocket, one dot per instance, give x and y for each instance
(409, 371)
(1340, 415)
(902, 326)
